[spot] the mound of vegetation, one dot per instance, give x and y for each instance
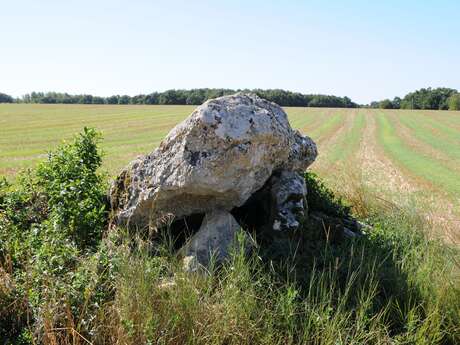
(440, 98)
(64, 278)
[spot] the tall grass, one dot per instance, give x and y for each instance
(391, 287)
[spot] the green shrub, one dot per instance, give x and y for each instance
(50, 222)
(22, 210)
(321, 198)
(63, 200)
(74, 188)
(24, 203)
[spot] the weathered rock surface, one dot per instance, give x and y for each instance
(279, 205)
(212, 241)
(224, 152)
(288, 199)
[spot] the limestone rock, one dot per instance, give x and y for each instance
(279, 205)
(212, 241)
(288, 192)
(303, 153)
(217, 158)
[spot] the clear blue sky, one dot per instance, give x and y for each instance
(367, 50)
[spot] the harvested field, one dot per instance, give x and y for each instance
(402, 156)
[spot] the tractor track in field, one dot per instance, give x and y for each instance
(448, 118)
(445, 214)
(333, 137)
(377, 167)
(339, 163)
(318, 119)
(409, 138)
(400, 186)
(303, 120)
(329, 141)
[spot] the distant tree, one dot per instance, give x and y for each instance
(26, 98)
(151, 98)
(113, 99)
(36, 97)
(172, 97)
(85, 99)
(68, 99)
(347, 102)
(454, 102)
(196, 97)
(396, 103)
(138, 99)
(386, 104)
(124, 99)
(427, 99)
(331, 102)
(4, 98)
(98, 100)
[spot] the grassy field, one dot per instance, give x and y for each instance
(403, 156)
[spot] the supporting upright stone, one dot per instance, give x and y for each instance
(213, 241)
(288, 192)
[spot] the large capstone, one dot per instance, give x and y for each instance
(224, 152)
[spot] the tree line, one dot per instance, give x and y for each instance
(191, 97)
(440, 98)
(425, 98)
(4, 98)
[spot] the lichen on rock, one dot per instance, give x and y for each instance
(217, 158)
(228, 149)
